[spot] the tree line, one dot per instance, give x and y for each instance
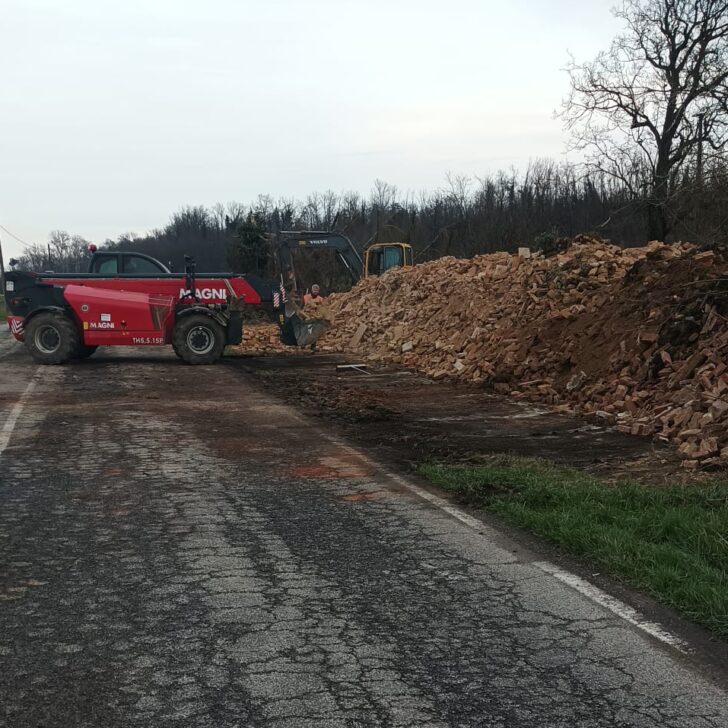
(465, 217)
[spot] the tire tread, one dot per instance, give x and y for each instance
(70, 338)
(179, 339)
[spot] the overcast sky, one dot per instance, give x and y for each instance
(115, 114)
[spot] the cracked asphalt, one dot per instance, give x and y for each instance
(179, 548)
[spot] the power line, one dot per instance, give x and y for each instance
(15, 237)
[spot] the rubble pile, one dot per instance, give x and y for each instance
(635, 336)
(262, 337)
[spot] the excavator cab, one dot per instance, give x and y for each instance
(380, 257)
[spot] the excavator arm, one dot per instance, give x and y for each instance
(287, 241)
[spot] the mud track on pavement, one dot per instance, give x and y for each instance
(408, 418)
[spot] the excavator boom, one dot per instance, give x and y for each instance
(289, 240)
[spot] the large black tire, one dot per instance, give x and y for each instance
(84, 352)
(198, 339)
(52, 338)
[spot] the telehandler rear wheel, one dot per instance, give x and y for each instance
(198, 339)
(52, 338)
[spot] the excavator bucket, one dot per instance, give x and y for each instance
(302, 332)
(308, 332)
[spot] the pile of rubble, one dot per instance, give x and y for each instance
(635, 336)
(260, 336)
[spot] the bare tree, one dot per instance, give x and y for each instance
(384, 194)
(234, 214)
(644, 110)
(330, 207)
(63, 253)
(457, 192)
(218, 212)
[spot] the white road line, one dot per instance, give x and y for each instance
(627, 613)
(585, 588)
(9, 425)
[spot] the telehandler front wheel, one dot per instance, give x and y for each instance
(52, 338)
(198, 339)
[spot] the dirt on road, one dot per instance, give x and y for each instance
(409, 418)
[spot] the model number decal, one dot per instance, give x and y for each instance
(147, 340)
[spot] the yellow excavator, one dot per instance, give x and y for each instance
(380, 257)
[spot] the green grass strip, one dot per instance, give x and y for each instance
(669, 541)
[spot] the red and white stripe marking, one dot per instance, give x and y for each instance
(17, 328)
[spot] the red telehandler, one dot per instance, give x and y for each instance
(130, 299)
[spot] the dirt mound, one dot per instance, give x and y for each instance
(637, 336)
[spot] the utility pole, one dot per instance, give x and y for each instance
(2, 271)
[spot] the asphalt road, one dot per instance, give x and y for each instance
(177, 548)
